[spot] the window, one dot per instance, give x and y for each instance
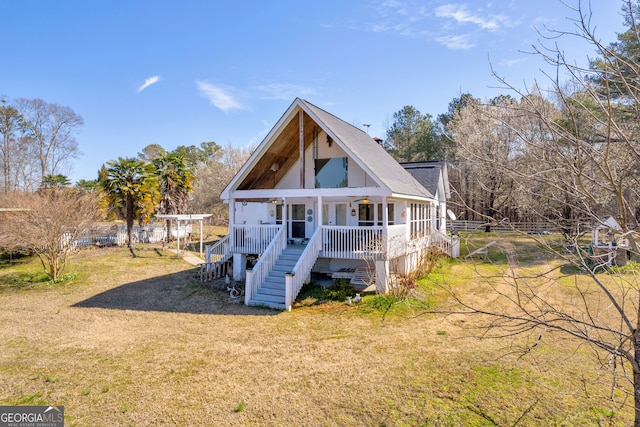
(420, 219)
(391, 219)
(365, 215)
(334, 214)
(331, 173)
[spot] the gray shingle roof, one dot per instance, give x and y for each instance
(426, 173)
(372, 156)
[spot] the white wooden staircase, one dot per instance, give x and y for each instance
(271, 292)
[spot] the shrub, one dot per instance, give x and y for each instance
(340, 290)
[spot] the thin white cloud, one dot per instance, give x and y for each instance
(459, 42)
(284, 91)
(218, 96)
(511, 62)
(463, 16)
(151, 80)
(260, 136)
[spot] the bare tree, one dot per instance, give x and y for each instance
(212, 176)
(25, 168)
(581, 166)
(9, 123)
(48, 223)
(51, 128)
(485, 144)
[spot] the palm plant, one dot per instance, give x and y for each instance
(55, 181)
(130, 185)
(175, 183)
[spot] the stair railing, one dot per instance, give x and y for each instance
(448, 244)
(219, 251)
(256, 276)
(295, 279)
(215, 257)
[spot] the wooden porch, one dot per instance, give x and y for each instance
(268, 242)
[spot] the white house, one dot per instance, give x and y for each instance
(320, 195)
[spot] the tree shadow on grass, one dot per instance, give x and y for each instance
(172, 293)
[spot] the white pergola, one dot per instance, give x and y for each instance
(186, 218)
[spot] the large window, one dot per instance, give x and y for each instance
(367, 214)
(391, 211)
(420, 219)
(334, 214)
(331, 173)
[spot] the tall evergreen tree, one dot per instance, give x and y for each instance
(412, 137)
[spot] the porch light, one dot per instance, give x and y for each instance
(364, 200)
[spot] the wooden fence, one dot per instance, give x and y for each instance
(117, 236)
(503, 226)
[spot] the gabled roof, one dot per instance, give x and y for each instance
(358, 145)
(429, 174)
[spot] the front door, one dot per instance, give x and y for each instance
(297, 221)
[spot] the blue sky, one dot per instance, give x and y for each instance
(183, 72)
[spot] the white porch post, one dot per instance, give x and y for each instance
(385, 216)
(178, 235)
(382, 266)
(239, 260)
(239, 266)
(408, 218)
(232, 221)
(382, 274)
(285, 223)
(200, 237)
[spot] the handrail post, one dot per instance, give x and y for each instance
(288, 290)
(249, 285)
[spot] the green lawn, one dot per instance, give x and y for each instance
(137, 341)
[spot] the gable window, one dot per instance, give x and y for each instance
(332, 173)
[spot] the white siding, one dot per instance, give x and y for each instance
(254, 213)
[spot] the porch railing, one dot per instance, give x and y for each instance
(267, 260)
(253, 239)
(350, 242)
(302, 269)
(220, 250)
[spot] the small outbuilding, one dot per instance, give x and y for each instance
(609, 246)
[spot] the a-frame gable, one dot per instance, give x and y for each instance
(278, 153)
(255, 168)
(370, 156)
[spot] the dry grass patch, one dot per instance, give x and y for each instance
(137, 341)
